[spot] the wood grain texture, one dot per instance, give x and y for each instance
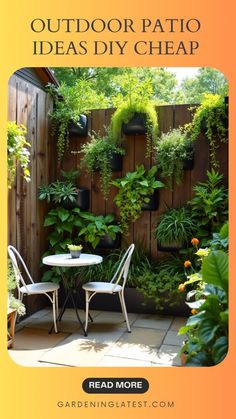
(30, 105)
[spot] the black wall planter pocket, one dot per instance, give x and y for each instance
(136, 126)
(108, 243)
(116, 162)
(79, 129)
(188, 163)
(153, 204)
(82, 201)
(172, 247)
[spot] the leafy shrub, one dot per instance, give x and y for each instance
(209, 206)
(67, 226)
(13, 302)
(17, 151)
(207, 328)
(160, 281)
(95, 227)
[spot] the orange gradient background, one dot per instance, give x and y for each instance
(32, 393)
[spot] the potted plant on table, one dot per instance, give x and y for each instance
(102, 154)
(75, 250)
(136, 113)
(173, 154)
(210, 118)
(69, 116)
(17, 151)
(175, 229)
(135, 191)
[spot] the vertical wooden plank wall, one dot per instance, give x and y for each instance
(29, 105)
(142, 231)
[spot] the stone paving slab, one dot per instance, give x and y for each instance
(168, 355)
(141, 344)
(172, 338)
(153, 321)
(78, 351)
(153, 341)
(177, 323)
(35, 339)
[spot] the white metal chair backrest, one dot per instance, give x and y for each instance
(123, 268)
(14, 256)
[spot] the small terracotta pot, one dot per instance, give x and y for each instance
(183, 358)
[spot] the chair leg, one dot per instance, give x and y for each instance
(86, 310)
(54, 308)
(123, 307)
(57, 309)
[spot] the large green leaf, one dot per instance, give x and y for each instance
(207, 331)
(224, 232)
(63, 214)
(220, 349)
(215, 269)
(49, 221)
(199, 360)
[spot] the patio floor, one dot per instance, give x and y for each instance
(153, 341)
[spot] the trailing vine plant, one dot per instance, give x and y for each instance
(135, 97)
(135, 189)
(210, 117)
(97, 154)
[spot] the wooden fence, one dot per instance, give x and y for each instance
(29, 105)
(142, 230)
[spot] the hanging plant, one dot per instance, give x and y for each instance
(17, 151)
(172, 150)
(135, 190)
(211, 118)
(136, 101)
(70, 103)
(97, 156)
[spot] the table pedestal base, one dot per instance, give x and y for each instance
(71, 294)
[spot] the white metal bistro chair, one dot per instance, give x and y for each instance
(32, 288)
(115, 286)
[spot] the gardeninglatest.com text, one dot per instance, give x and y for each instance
(168, 404)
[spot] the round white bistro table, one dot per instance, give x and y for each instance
(66, 261)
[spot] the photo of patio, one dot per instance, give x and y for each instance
(117, 218)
